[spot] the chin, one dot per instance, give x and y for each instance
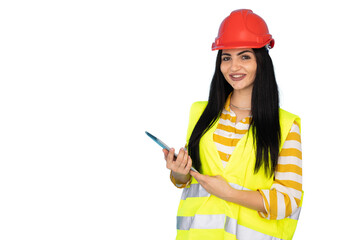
(241, 88)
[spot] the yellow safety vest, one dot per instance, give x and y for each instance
(202, 216)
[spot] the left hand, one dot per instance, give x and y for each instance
(216, 185)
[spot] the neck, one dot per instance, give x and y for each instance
(241, 98)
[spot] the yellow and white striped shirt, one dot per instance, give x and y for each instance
(283, 198)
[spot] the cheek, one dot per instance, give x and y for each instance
(224, 68)
(253, 70)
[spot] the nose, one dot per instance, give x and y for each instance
(235, 65)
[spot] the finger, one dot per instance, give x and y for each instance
(184, 161)
(196, 175)
(166, 152)
(179, 158)
(219, 177)
(170, 159)
(170, 155)
(188, 165)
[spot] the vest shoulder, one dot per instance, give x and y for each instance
(288, 116)
(198, 106)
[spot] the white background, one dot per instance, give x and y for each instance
(82, 80)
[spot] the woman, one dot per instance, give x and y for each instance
(247, 150)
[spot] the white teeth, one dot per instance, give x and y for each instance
(237, 76)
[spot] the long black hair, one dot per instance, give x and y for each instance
(264, 108)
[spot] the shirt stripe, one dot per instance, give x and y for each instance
(294, 136)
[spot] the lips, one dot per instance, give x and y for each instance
(237, 76)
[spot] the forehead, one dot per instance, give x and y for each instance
(237, 50)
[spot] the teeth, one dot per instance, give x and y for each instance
(238, 75)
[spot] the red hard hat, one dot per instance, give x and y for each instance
(243, 29)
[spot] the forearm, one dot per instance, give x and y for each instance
(218, 186)
(249, 199)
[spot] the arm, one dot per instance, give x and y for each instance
(284, 196)
(219, 187)
(249, 199)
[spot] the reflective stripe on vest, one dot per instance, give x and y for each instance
(221, 221)
(196, 190)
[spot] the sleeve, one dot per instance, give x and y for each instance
(179, 185)
(284, 196)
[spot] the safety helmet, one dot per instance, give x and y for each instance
(243, 29)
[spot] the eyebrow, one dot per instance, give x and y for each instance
(238, 54)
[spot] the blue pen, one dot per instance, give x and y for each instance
(163, 145)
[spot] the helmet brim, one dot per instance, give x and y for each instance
(270, 43)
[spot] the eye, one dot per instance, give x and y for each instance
(225, 59)
(245, 57)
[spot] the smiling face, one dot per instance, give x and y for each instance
(239, 67)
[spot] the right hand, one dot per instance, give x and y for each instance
(180, 165)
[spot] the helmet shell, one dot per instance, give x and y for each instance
(243, 29)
